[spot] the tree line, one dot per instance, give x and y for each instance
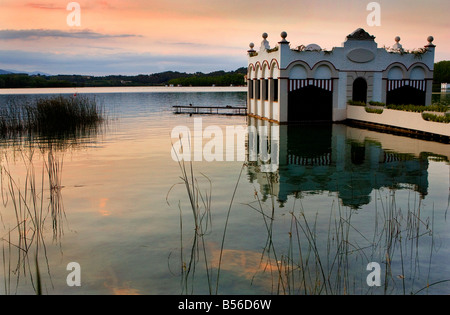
(219, 78)
(441, 72)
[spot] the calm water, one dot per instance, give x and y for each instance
(334, 199)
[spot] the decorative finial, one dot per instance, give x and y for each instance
(430, 40)
(251, 51)
(283, 36)
(397, 46)
(265, 43)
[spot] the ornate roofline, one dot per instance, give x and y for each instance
(360, 34)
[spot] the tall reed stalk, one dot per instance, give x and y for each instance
(315, 262)
(200, 201)
(200, 205)
(25, 242)
(314, 265)
(58, 116)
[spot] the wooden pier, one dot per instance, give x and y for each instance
(211, 110)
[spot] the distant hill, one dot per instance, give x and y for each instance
(29, 73)
(39, 73)
(218, 78)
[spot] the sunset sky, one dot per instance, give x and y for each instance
(148, 36)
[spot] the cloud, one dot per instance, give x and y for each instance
(184, 44)
(46, 33)
(115, 63)
(44, 6)
(196, 45)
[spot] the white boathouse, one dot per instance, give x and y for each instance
(307, 83)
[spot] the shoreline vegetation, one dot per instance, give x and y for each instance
(56, 116)
(437, 111)
(217, 78)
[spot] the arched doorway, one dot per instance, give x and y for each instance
(406, 95)
(310, 103)
(359, 90)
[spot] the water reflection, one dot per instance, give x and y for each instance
(50, 122)
(291, 237)
(122, 183)
(34, 205)
(327, 252)
(336, 158)
(34, 217)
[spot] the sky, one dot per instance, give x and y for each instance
(148, 36)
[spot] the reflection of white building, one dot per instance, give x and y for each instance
(445, 87)
(309, 83)
(349, 161)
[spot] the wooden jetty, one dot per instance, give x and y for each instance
(212, 110)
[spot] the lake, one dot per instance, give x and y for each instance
(298, 209)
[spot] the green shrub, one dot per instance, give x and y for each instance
(419, 108)
(374, 110)
(356, 103)
(436, 118)
(373, 103)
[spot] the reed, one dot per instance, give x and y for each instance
(53, 168)
(318, 265)
(53, 116)
(200, 205)
(24, 244)
(329, 260)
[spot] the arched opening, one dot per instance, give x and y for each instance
(310, 103)
(417, 73)
(274, 88)
(395, 73)
(322, 72)
(298, 72)
(309, 144)
(359, 90)
(406, 95)
(357, 153)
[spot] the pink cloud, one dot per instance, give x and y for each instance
(44, 6)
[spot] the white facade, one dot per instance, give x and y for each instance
(283, 78)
